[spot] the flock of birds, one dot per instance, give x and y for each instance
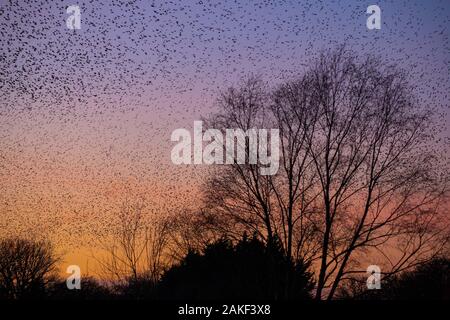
(86, 115)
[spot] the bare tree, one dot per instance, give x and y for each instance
(26, 267)
(189, 234)
(137, 247)
(239, 198)
(358, 176)
(378, 182)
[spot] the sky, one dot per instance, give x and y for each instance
(86, 115)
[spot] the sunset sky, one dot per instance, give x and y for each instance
(86, 115)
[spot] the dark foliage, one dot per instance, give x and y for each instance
(138, 288)
(248, 270)
(91, 289)
(430, 281)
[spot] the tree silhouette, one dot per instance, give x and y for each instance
(135, 251)
(26, 267)
(248, 270)
(358, 172)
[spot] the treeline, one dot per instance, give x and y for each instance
(248, 269)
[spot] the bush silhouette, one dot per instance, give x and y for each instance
(429, 281)
(142, 287)
(248, 270)
(91, 289)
